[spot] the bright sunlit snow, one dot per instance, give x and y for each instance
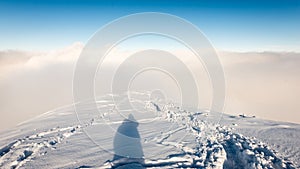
(151, 135)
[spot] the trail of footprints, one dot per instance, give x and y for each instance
(220, 148)
(217, 146)
(17, 153)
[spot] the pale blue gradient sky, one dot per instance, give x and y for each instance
(230, 25)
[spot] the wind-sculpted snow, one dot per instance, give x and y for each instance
(17, 153)
(175, 138)
(222, 147)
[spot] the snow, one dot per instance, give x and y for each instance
(160, 136)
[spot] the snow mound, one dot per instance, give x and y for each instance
(171, 138)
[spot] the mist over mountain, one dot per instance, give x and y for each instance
(264, 84)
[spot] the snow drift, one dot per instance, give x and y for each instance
(160, 136)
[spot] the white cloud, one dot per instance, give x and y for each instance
(32, 83)
(265, 84)
(262, 83)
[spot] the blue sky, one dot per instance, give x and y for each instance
(229, 25)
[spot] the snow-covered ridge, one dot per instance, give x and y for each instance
(222, 147)
(18, 152)
(175, 138)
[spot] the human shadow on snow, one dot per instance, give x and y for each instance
(128, 151)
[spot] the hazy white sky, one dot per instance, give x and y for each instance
(265, 84)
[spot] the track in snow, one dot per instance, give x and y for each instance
(193, 141)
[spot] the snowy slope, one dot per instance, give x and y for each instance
(155, 135)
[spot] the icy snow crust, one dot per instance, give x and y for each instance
(170, 137)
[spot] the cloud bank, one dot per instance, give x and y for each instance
(32, 83)
(265, 84)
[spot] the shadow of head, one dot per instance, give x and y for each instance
(127, 142)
